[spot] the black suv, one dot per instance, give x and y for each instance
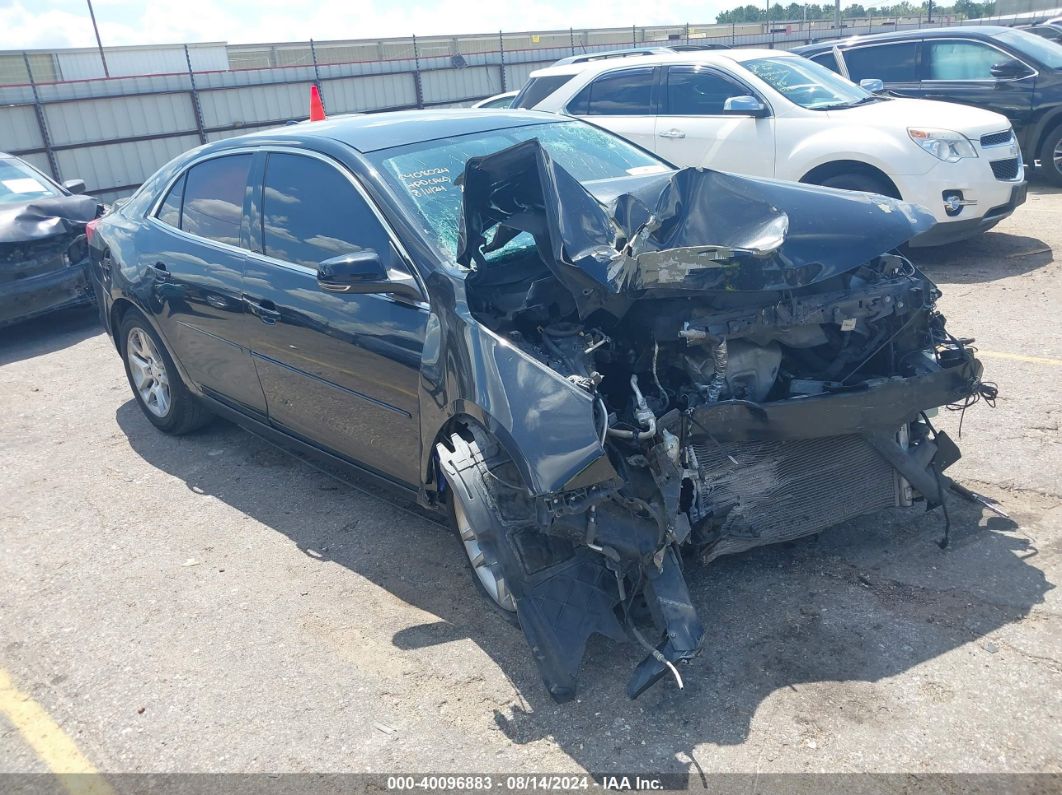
(1009, 71)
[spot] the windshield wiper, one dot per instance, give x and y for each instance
(857, 103)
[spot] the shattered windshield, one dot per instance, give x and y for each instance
(423, 174)
(20, 183)
(807, 84)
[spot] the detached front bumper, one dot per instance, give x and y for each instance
(24, 299)
(886, 404)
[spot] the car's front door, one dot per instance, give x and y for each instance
(340, 370)
(960, 70)
(194, 249)
(622, 101)
(693, 129)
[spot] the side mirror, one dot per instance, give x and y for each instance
(745, 106)
(1009, 70)
(363, 272)
(75, 185)
(872, 84)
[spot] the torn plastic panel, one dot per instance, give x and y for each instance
(691, 229)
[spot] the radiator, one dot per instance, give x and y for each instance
(778, 491)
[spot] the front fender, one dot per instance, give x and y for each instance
(545, 422)
(868, 145)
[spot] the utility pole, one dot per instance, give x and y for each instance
(837, 14)
(99, 43)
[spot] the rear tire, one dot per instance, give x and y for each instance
(1051, 156)
(155, 381)
(853, 180)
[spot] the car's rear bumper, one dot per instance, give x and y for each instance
(960, 229)
(27, 298)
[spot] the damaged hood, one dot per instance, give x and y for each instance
(44, 218)
(679, 231)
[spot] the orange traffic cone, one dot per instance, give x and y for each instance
(316, 106)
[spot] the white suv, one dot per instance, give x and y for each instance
(775, 114)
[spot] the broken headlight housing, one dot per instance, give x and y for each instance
(946, 145)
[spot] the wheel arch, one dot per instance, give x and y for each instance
(835, 168)
(1048, 124)
(119, 309)
(470, 418)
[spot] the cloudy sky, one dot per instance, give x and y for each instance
(27, 24)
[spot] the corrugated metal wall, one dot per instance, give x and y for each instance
(114, 133)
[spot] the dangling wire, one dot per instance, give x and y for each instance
(981, 390)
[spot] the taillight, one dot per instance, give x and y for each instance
(90, 230)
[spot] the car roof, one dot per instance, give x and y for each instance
(565, 67)
(972, 31)
(371, 132)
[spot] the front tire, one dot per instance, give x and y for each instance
(475, 515)
(854, 180)
(1051, 156)
(156, 384)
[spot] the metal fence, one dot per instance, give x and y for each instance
(115, 132)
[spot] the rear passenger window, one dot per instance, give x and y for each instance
(213, 198)
(891, 63)
(625, 93)
(311, 212)
(697, 92)
(170, 211)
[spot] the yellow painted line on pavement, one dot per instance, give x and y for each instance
(53, 746)
(1020, 357)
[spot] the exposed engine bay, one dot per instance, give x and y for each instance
(759, 368)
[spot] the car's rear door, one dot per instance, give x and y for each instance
(693, 130)
(895, 63)
(193, 247)
(623, 101)
(340, 370)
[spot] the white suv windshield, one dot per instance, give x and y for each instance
(422, 175)
(807, 84)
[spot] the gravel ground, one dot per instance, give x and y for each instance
(211, 604)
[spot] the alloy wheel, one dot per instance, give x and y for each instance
(484, 565)
(148, 369)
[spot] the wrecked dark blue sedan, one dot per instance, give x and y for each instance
(43, 252)
(594, 363)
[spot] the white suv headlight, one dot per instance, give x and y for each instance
(946, 145)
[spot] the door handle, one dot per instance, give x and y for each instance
(672, 133)
(263, 308)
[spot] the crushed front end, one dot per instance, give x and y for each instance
(757, 368)
(43, 256)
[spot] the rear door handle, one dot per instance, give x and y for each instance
(672, 133)
(263, 308)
